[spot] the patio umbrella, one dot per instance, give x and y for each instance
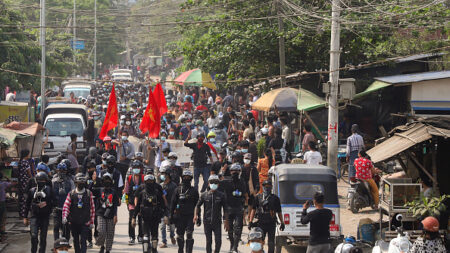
(284, 99)
(195, 77)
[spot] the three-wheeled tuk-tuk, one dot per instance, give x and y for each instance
(295, 184)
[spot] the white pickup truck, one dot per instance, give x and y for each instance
(62, 120)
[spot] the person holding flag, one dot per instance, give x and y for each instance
(112, 115)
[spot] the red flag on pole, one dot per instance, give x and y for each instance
(112, 115)
(158, 94)
(151, 121)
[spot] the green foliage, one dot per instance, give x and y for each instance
(424, 207)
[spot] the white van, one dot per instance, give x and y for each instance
(122, 75)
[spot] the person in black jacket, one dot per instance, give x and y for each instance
(182, 211)
(319, 238)
(40, 203)
(214, 201)
(169, 188)
(92, 157)
(106, 211)
(236, 192)
(251, 176)
(201, 153)
(62, 184)
(150, 204)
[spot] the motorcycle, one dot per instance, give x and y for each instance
(359, 195)
(400, 244)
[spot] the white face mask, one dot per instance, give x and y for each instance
(247, 161)
(128, 123)
(213, 186)
(124, 138)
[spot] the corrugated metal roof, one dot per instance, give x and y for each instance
(416, 77)
(419, 57)
(415, 133)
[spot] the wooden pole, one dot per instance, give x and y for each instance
(314, 125)
(434, 166)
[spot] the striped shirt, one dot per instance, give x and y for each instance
(68, 203)
(355, 142)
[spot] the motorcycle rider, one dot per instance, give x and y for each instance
(107, 201)
(131, 186)
(79, 212)
(237, 198)
(151, 205)
(266, 207)
(40, 202)
(169, 188)
(182, 211)
(62, 184)
(214, 201)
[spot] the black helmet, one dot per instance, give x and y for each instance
(41, 177)
(256, 233)
(235, 167)
(267, 182)
(80, 178)
(187, 173)
(136, 164)
(111, 160)
(67, 162)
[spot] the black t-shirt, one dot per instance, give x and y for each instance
(276, 143)
(320, 225)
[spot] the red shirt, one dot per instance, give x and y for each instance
(363, 168)
(188, 106)
(255, 114)
(202, 108)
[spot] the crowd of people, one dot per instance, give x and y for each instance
(233, 150)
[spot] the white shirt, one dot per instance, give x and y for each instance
(10, 97)
(212, 122)
(210, 100)
(313, 157)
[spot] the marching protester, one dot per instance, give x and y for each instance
(62, 184)
(132, 184)
(266, 208)
(79, 213)
(150, 204)
(168, 188)
(201, 152)
(182, 211)
(39, 203)
(214, 202)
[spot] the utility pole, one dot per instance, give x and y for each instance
(42, 16)
(74, 31)
(95, 39)
(333, 109)
(281, 45)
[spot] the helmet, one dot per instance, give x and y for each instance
(61, 166)
(188, 173)
(122, 117)
(235, 167)
(149, 177)
(248, 156)
(136, 164)
(80, 178)
(67, 162)
(41, 177)
(41, 166)
(429, 223)
(236, 155)
(213, 178)
(267, 182)
(111, 160)
(173, 154)
(139, 154)
(105, 155)
(211, 134)
(107, 175)
(256, 233)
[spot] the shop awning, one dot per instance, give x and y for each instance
(377, 85)
(404, 138)
(308, 101)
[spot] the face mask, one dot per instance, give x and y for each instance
(189, 123)
(186, 181)
(162, 177)
(136, 171)
(62, 251)
(172, 162)
(124, 138)
(255, 246)
(213, 186)
(128, 123)
(163, 138)
(80, 187)
(41, 184)
(247, 161)
(212, 140)
(107, 183)
(230, 160)
(185, 113)
(200, 140)
(149, 184)
(235, 176)
(104, 162)
(122, 122)
(172, 133)
(244, 150)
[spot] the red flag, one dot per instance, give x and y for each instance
(160, 99)
(112, 115)
(151, 121)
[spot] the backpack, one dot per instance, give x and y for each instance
(80, 211)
